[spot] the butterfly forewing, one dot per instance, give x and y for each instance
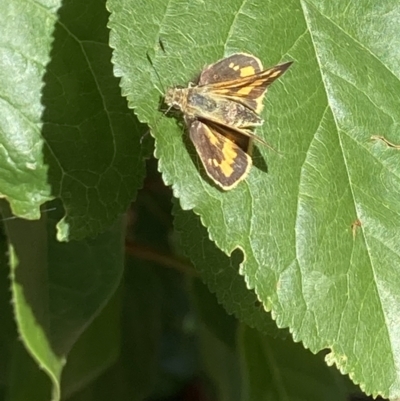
(230, 68)
(250, 90)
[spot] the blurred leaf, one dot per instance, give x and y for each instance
(335, 287)
(8, 332)
(213, 315)
(275, 369)
(141, 329)
(59, 288)
(26, 381)
(222, 364)
(157, 325)
(96, 350)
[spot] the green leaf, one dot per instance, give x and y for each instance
(65, 130)
(58, 288)
(335, 287)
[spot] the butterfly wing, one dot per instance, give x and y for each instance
(249, 90)
(230, 68)
(224, 161)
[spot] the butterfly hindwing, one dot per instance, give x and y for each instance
(224, 161)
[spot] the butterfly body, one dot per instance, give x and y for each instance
(198, 102)
(221, 111)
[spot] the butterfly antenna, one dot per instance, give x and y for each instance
(156, 72)
(272, 148)
(158, 89)
(161, 44)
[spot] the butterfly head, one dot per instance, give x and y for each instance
(176, 97)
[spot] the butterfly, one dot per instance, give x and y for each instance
(222, 110)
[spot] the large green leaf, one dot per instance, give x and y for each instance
(332, 282)
(65, 131)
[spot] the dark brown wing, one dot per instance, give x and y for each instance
(224, 161)
(249, 90)
(230, 68)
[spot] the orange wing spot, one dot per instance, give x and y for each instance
(245, 90)
(229, 153)
(274, 74)
(222, 91)
(213, 139)
(226, 168)
(247, 71)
